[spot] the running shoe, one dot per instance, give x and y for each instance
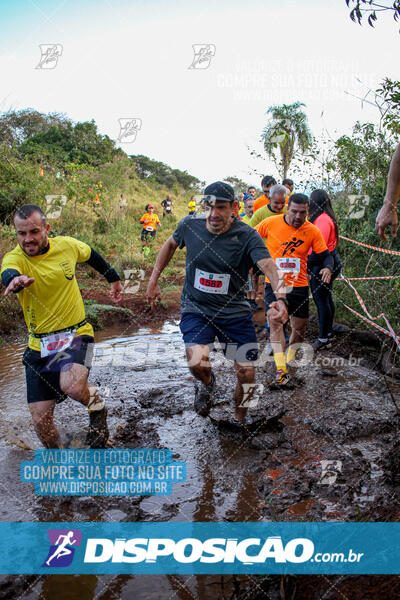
(318, 345)
(282, 378)
(98, 434)
(203, 399)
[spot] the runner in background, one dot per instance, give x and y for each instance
(248, 208)
(220, 250)
(41, 271)
(276, 205)
(150, 222)
(288, 239)
(322, 215)
(192, 205)
(266, 183)
(288, 183)
(242, 210)
(252, 191)
(387, 216)
(167, 206)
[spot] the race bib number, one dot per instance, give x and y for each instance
(288, 265)
(51, 344)
(149, 228)
(212, 283)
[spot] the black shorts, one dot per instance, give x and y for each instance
(43, 374)
(298, 303)
(145, 234)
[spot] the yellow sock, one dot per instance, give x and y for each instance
(291, 353)
(280, 361)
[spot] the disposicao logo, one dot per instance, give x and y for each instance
(62, 547)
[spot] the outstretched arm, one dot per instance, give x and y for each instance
(387, 216)
(164, 256)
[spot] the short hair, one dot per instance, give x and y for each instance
(277, 189)
(298, 199)
(251, 187)
(288, 181)
(27, 210)
(267, 181)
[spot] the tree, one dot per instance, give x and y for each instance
(238, 184)
(362, 8)
(17, 126)
(287, 131)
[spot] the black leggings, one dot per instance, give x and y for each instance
(322, 294)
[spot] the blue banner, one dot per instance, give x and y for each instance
(200, 548)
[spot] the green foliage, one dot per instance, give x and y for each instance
(63, 143)
(158, 172)
(368, 8)
(16, 127)
(238, 184)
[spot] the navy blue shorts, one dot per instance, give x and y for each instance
(237, 336)
(43, 374)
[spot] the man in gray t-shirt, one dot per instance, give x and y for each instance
(220, 252)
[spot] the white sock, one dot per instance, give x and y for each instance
(95, 402)
(323, 340)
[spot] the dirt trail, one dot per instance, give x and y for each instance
(338, 413)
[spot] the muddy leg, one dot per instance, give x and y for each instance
(198, 363)
(42, 415)
(245, 375)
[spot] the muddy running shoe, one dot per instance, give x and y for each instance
(203, 399)
(282, 379)
(318, 345)
(331, 337)
(98, 434)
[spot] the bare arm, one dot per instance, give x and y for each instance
(387, 216)
(164, 256)
(268, 267)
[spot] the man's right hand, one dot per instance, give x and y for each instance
(387, 217)
(18, 283)
(153, 293)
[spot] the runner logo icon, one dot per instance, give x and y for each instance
(61, 552)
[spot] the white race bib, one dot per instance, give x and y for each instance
(149, 228)
(55, 342)
(288, 264)
(212, 283)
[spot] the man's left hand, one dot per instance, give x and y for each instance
(326, 275)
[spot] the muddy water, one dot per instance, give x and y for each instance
(337, 415)
(150, 405)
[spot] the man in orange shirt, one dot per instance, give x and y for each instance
(266, 183)
(150, 223)
(288, 239)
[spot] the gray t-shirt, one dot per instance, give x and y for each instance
(217, 267)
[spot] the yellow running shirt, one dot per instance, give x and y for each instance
(54, 300)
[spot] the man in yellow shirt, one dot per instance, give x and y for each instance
(192, 205)
(275, 206)
(248, 207)
(41, 271)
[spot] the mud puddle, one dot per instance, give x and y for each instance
(325, 450)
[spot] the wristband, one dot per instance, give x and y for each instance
(285, 301)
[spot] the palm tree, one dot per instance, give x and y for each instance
(288, 130)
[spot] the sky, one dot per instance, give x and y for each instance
(131, 60)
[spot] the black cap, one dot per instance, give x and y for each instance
(221, 191)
